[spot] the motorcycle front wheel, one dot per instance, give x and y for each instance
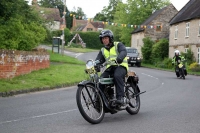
(182, 73)
(134, 100)
(90, 104)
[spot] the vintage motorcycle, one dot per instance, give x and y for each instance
(180, 70)
(93, 103)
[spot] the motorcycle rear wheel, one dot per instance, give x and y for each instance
(90, 104)
(134, 105)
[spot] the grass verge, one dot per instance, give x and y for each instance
(63, 71)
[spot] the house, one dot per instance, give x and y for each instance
(87, 25)
(51, 15)
(156, 27)
(185, 30)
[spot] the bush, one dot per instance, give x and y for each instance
(160, 50)
(194, 67)
(189, 56)
(147, 49)
(166, 63)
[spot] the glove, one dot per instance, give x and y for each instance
(97, 68)
(119, 60)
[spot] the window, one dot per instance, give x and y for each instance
(158, 27)
(187, 29)
(176, 32)
(198, 55)
(186, 50)
(89, 29)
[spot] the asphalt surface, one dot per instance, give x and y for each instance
(170, 105)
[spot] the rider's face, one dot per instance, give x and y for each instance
(105, 40)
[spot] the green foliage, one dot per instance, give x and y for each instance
(147, 49)
(90, 38)
(107, 14)
(194, 67)
(135, 12)
(160, 50)
(189, 56)
(21, 28)
(166, 63)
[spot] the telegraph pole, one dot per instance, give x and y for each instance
(64, 25)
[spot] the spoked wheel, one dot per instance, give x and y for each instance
(134, 105)
(90, 104)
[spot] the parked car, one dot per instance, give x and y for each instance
(133, 56)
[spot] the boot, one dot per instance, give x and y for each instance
(120, 100)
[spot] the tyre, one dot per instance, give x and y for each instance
(134, 100)
(183, 73)
(139, 64)
(90, 104)
(177, 74)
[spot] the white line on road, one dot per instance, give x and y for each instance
(149, 75)
(78, 54)
(37, 116)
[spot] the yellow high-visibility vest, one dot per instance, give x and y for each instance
(112, 54)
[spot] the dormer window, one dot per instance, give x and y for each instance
(158, 27)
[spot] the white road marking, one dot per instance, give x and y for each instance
(78, 54)
(37, 116)
(149, 75)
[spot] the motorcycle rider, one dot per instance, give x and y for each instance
(113, 51)
(177, 59)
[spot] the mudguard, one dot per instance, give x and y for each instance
(84, 82)
(135, 80)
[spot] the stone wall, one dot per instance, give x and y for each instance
(14, 63)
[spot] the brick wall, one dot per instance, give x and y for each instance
(14, 63)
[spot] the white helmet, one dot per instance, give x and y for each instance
(177, 52)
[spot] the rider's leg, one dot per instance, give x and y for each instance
(119, 76)
(104, 75)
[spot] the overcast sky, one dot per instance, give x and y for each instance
(91, 7)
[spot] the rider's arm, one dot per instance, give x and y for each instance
(100, 57)
(122, 52)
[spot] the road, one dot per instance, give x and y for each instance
(170, 105)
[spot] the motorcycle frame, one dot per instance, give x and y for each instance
(95, 81)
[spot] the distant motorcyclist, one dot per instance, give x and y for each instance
(114, 51)
(178, 59)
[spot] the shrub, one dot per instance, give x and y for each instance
(189, 56)
(147, 49)
(194, 67)
(160, 50)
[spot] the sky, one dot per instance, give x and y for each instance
(92, 7)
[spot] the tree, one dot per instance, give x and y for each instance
(135, 12)
(160, 50)
(107, 14)
(147, 49)
(21, 27)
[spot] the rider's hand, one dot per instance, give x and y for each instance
(119, 60)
